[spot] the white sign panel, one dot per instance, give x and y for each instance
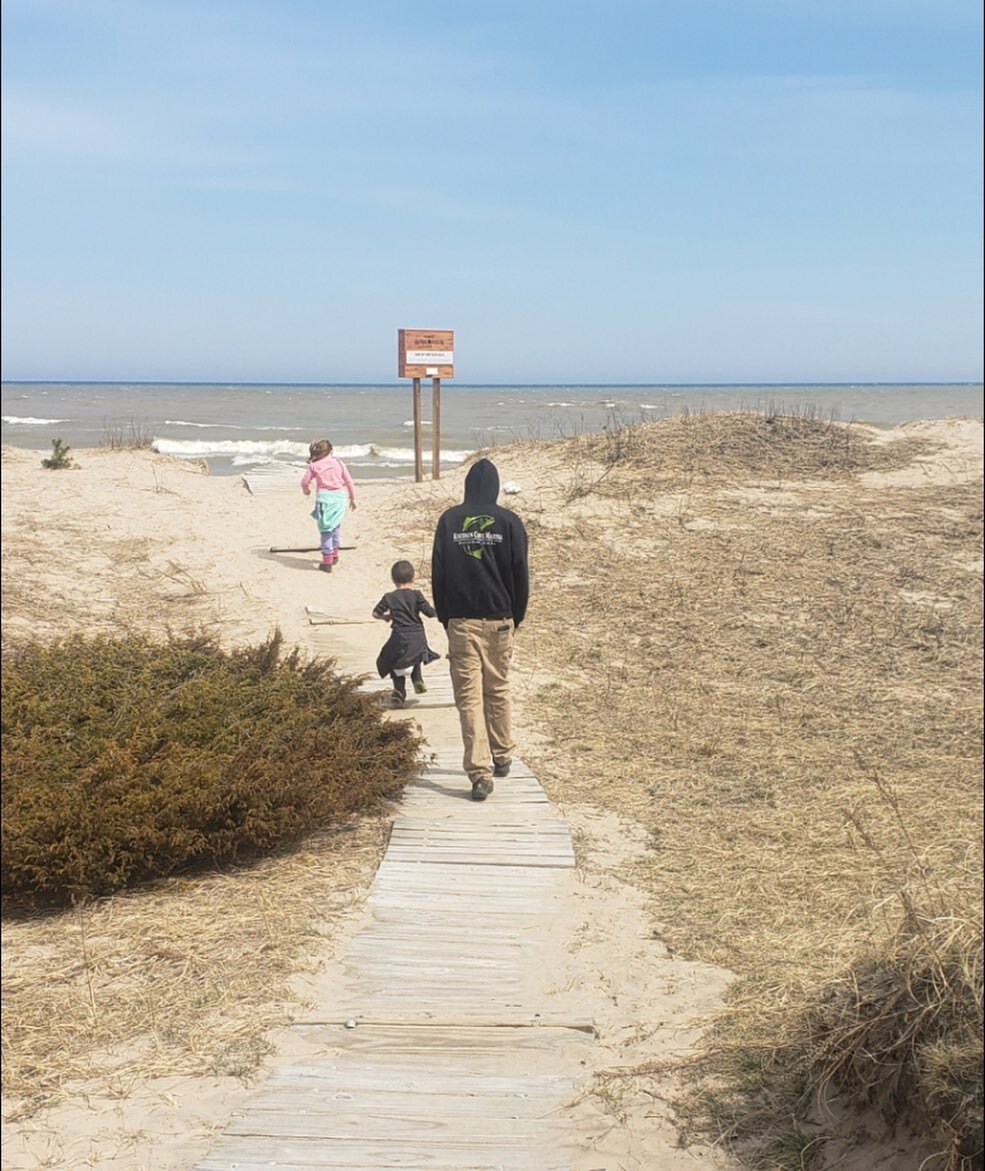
(430, 358)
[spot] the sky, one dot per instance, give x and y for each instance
(636, 191)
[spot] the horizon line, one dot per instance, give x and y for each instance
(405, 384)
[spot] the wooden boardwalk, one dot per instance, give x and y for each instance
(447, 1046)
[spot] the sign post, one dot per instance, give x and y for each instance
(435, 428)
(426, 353)
(418, 453)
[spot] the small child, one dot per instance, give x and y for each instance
(406, 650)
(334, 485)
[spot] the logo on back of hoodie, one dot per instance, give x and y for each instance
(475, 538)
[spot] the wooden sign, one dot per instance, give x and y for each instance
(425, 353)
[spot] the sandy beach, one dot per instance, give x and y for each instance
(137, 541)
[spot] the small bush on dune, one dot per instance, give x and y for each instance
(902, 1033)
(59, 458)
(126, 760)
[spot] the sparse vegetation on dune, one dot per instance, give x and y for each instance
(126, 435)
(777, 671)
(773, 664)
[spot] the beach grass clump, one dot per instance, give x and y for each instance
(900, 1032)
(127, 760)
(707, 446)
(126, 435)
(892, 1034)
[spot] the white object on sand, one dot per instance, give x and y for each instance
(511, 488)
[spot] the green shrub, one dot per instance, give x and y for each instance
(59, 457)
(126, 760)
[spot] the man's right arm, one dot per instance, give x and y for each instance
(520, 572)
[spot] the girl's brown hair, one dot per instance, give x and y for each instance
(319, 449)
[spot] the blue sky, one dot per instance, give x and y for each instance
(631, 191)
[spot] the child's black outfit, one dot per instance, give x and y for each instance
(407, 646)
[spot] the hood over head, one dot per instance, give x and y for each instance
(482, 482)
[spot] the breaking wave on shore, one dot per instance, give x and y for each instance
(251, 451)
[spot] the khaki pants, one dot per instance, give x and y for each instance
(480, 650)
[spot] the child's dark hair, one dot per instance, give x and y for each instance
(402, 573)
(319, 449)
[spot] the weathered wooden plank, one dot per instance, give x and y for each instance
(426, 1040)
(373, 966)
(400, 1103)
(477, 869)
(506, 860)
(482, 853)
(485, 828)
(262, 481)
(439, 1079)
(488, 911)
(367, 1155)
(374, 949)
(522, 874)
(475, 1010)
(402, 1128)
(388, 906)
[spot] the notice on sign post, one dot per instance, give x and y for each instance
(425, 353)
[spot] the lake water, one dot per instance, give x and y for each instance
(236, 427)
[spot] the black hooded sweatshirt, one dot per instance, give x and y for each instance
(479, 560)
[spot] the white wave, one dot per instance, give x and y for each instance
(289, 452)
(263, 461)
(404, 455)
(561, 404)
(650, 407)
(224, 426)
(201, 448)
(410, 423)
(354, 451)
(186, 423)
(30, 421)
(378, 464)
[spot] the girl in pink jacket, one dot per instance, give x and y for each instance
(334, 492)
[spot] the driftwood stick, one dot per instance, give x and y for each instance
(339, 621)
(318, 617)
(304, 549)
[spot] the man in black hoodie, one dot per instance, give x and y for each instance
(480, 585)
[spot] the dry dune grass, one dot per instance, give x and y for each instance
(774, 665)
(770, 663)
(185, 977)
